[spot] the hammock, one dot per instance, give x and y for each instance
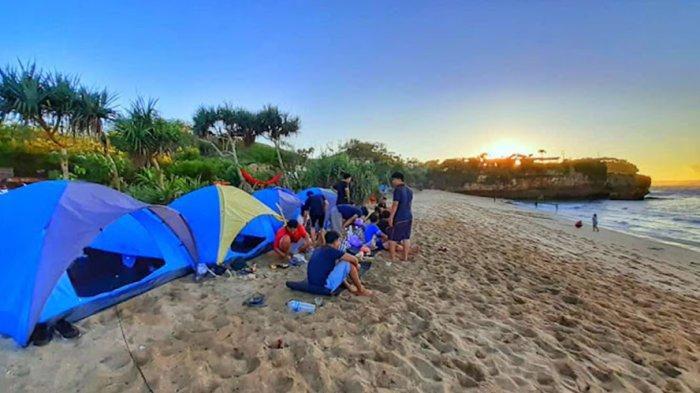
(275, 180)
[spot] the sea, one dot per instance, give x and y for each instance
(667, 214)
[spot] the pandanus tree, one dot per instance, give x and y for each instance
(144, 134)
(275, 126)
(226, 125)
(55, 103)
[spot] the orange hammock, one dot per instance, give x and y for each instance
(275, 180)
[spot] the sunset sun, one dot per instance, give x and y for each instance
(505, 148)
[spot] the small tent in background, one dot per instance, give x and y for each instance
(74, 248)
(280, 200)
(330, 196)
(227, 223)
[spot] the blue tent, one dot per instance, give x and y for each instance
(330, 195)
(228, 224)
(280, 200)
(73, 248)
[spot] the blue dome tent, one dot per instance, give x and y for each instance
(228, 224)
(74, 248)
(280, 200)
(330, 195)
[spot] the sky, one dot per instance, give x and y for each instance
(430, 79)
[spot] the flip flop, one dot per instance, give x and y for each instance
(66, 330)
(256, 301)
(41, 335)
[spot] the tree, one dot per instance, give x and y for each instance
(276, 126)
(54, 102)
(542, 152)
(45, 100)
(144, 134)
(226, 125)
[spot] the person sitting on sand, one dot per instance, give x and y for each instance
(314, 211)
(290, 239)
(329, 267)
(374, 236)
(349, 213)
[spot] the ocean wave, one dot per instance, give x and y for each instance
(695, 221)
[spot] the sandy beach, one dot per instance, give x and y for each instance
(500, 300)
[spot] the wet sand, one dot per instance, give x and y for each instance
(500, 300)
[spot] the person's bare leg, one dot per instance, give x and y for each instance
(285, 245)
(304, 246)
(406, 249)
(392, 250)
(355, 277)
(351, 288)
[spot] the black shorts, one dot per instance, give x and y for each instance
(401, 230)
(317, 221)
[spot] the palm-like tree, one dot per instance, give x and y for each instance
(275, 126)
(44, 100)
(144, 134)
(54, 102)
(542, 152)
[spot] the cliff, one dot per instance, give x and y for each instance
(570, 186)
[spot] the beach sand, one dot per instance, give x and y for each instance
(499, 300)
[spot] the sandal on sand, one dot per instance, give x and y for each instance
(41, 335)
(256, 301)
(66, 329)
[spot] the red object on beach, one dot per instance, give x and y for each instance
(275, 180)
(578, 224)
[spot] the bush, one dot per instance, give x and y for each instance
(98, 168)
(207, 169)
(155, 187)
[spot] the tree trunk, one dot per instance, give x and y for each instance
(64, 164)
(279, 159)
(159, 172)
(238, 164)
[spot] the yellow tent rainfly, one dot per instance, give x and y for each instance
(228, 223)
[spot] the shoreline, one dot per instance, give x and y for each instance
(525, 205)
(499, 300)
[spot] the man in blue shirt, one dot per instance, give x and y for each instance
(343, 189)
(329, 267)
(314, 211)
(401, 218)
(349, 213)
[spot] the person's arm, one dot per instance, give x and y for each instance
(351, 259)
(394, 208)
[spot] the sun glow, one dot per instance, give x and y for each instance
(506, 148)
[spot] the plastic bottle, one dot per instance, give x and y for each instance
(301, 307)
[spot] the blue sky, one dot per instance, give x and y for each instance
(430, 79)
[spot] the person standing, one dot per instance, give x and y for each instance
(314, 213)
(595, 223)
(342, 188)
(401, 216)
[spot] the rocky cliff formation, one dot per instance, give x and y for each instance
(570, 186)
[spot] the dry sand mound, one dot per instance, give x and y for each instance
(499, 300)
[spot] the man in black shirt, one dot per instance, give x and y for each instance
(314, 211)
(342, 188)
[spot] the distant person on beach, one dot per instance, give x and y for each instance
(342, 188)
(595, 223)
(314, 213)
(401, 216)
(290, 239)
(329, 267)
